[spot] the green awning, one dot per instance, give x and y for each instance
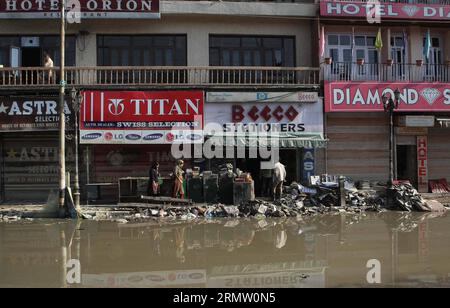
(277, 140)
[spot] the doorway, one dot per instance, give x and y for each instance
(31, 57)
(407, 163)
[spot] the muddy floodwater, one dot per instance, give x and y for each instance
(413, 250)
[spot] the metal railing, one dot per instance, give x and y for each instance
(346, 71)
(160, 76)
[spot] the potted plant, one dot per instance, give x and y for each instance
(360, 61)
(389, 62)
(419, 62)
(328, 61)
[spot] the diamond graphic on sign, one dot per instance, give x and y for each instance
(430, 95)
(291, 113)
(265, 113)
(410, 10)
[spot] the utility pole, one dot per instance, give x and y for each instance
(62, 117)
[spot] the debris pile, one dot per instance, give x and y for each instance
(10, 216)
(406, 198)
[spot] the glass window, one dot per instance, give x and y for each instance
(360, 40)
(344, 40)
(251, 51)
(435, 42)
(371, 41)
(360, 54)
(347, 55)
(399, 42)
(373, 56)
(333, 40)
(334, 55)
(146, 50)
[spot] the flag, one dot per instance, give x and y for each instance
(427, 46)
(378, 41)
(405, 46)
(322, 42)
(353, 42)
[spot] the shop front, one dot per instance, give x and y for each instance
(358, 131)
(29, 147)
(256, 127)
(125, 132)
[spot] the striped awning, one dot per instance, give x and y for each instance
(276, 140)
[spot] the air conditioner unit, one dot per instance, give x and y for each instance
(30, 41)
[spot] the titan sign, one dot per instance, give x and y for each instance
(402, 11)
(91, 9)
(362, 97)
(142, 117)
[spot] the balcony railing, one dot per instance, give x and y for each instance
(345, 71)
(160, 76)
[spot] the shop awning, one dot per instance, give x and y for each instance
(281, 140)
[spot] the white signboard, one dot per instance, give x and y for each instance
(266, 117)
(243, 97)
(145, 279)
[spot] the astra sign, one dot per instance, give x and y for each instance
(90, 9)
(142, 117)
(386, 10)
(362, 97)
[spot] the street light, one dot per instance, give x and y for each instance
(77, 99)
(390, 105)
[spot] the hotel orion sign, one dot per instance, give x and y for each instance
(88, 9)
(390, 10)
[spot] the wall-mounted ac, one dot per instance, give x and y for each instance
(30, 41)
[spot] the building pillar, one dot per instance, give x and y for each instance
(415, 44)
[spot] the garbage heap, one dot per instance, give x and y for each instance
(407, 198)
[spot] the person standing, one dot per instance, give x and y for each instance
(279, 176)
(153, 179)
(178, 180)
(48, 65)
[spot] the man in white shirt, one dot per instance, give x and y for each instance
(48, 64)
(279, 176)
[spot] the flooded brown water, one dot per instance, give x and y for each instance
(325, 251)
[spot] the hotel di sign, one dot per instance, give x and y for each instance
(390, 10)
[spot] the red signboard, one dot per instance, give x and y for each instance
(422, 163)
(346, 9)
(366, 96)
(90, 9)
(142, 117)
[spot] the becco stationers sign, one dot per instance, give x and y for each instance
(89, 9)
(135, 117)
(366, 97)
(399, 11)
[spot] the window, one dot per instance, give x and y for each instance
(50, 44)
(155, 50)
(251, 51)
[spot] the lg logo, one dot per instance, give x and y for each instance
(116, 107)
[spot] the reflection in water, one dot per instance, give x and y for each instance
(322, 251)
